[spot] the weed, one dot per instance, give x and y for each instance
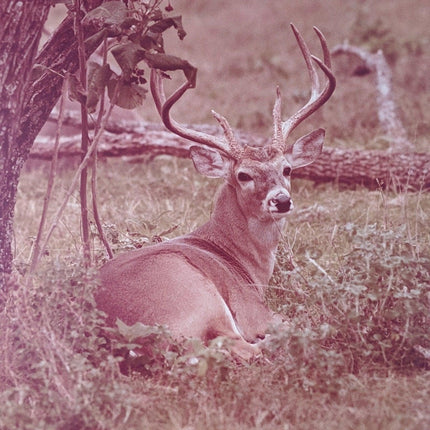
(54, 371)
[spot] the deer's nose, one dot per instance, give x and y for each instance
(282, 202)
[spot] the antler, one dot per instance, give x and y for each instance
(282, 129)
(229, 145)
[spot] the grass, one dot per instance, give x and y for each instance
(346, 361)
(352, 274)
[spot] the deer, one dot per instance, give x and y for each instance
(212, 281)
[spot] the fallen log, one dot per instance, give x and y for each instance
(406, 171)
(387, 108)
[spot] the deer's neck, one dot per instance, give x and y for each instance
(251, 241)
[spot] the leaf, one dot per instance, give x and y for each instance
(137, 330)
(157, 15)
(108, 14)
(127, 95)
(76, 91)
(129, 22)
(152, 41)
(127, 57)
(166, 62)
(177, 22)
(202, 367)
(92, 42)
(163, 24)
(98, 79)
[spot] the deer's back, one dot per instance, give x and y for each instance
(186, 284)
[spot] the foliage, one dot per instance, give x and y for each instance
(137, 29)
(359, 318)
(390, 282)
(345, 305)
(137, 33)
(372, 311)
(55, 372)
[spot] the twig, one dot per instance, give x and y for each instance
(321, 269)
(94, 168)
(37, 249)
(85, 138)
(82, 166)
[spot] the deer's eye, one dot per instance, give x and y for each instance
(287, 171)
(244, 177)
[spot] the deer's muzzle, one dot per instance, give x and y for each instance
(281, 203)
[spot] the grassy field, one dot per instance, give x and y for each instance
(353, 270)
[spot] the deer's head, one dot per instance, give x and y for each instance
(259, 175)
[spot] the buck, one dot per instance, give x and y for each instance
(212, 282)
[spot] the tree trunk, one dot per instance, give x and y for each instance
(21, 26)
(400, 171)
(30, 87)
(373, 169)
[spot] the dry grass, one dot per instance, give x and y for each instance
(310, 386)
(55, 376)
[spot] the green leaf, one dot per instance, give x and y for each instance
(92, 42)
(127, 57)
(137, 330)
(166, 62)
(163, 24)
(98, 79)
(108, 14)
(76, 91)
(152, 41)
(125, 94)
(129, 22)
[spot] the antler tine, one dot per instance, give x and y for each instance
(236, 150)
(277, 118)
(313, 75)
(229, 147)
(318, 97)
(326, 51)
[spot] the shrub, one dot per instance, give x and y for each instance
(54, 371)
(373, 312)
(388, 284)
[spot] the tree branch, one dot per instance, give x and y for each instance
(58, 56)
(372, 169)
(387, 109)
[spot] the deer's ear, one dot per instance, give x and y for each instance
(306, 149)
(209, 162)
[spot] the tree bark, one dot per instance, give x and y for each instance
(30, 86)
(399, 171)
(21, 26)
(372, 169)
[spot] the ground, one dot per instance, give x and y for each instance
(357, 296)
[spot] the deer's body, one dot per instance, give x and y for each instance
(212, 281)
(204, 284)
